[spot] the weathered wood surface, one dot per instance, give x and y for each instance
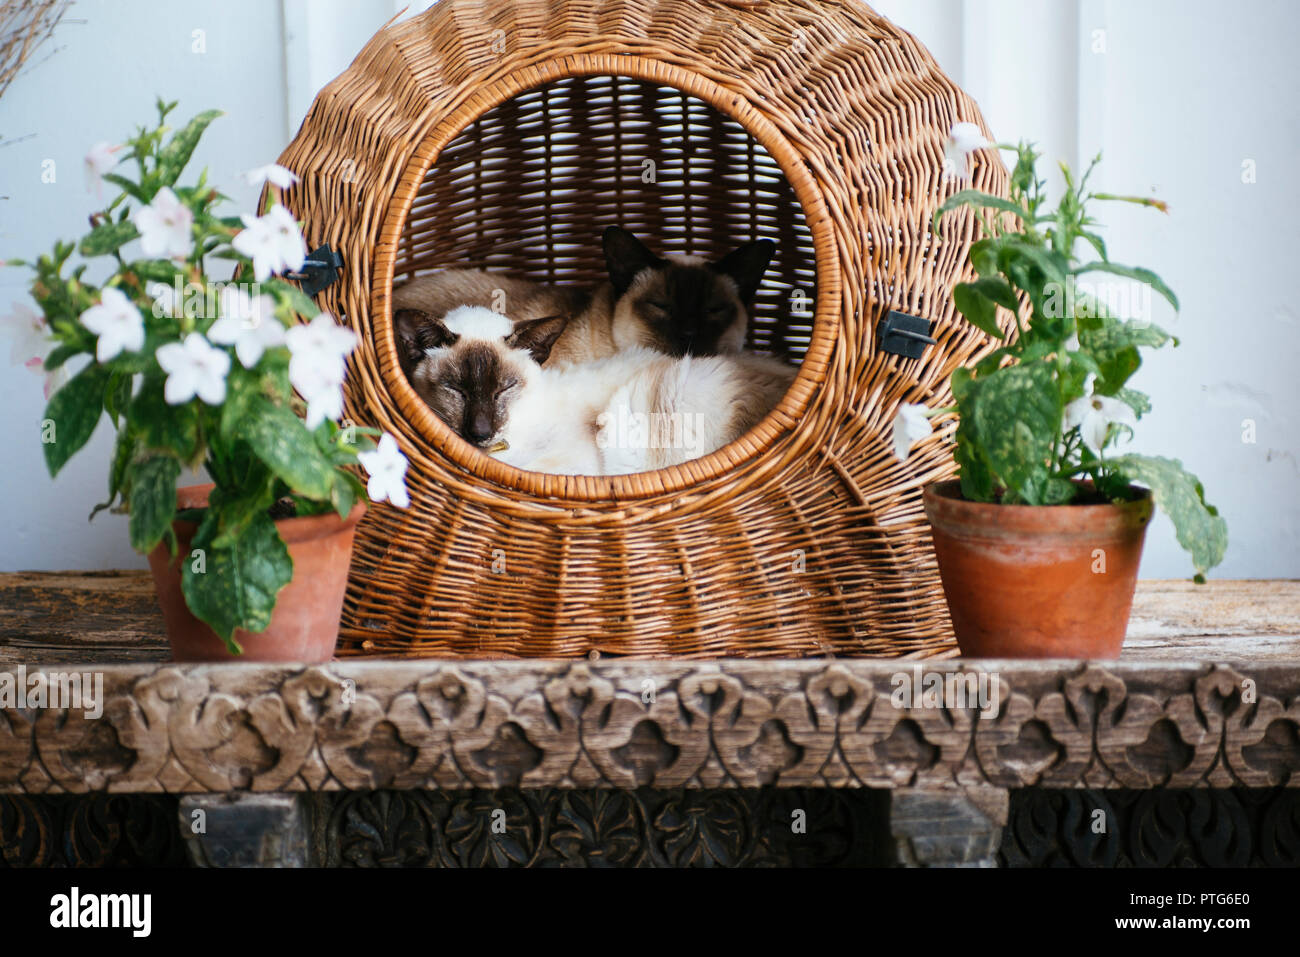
(361, 725)
(113, 617)
(1209, 695)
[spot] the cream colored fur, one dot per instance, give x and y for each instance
(633, 411)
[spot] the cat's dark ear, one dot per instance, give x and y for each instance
(746, 266)
(625, 256)
(416, 330)
(537, 336)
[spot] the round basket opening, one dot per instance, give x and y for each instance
(526, 187)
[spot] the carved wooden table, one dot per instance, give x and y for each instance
(1206, 696)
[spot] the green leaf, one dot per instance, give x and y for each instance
(291, 299)
(281, 440)
(984, 256)
(123, 451)
(176, 154)
(1131, 272)
(1016, 414)
(999, 290)
(253, 497)
(155, 270)
(108, 238)
(1114, 346)
(977, 199)
(61, 354)
(118, 394)
(1097, 243)
(1139, 402)
(1179, 494)
(1051, 265)
(346, 492)
(72, 414)
(981, 311)
(153, 500)
(238, 584)
(162, 426)
(127, 186)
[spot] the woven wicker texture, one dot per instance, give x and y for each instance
(509, 134)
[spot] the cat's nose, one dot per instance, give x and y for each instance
(478, 429)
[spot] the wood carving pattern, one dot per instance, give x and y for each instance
(1236, 827)
(639, 827)
(643, 827)
(669, 724)
(91, 830)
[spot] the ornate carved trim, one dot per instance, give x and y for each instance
(669, 724)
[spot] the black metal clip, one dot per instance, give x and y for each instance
(319, 270)
(904, 335)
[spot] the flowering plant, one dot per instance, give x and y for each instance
(195, 372)
(1048, 406)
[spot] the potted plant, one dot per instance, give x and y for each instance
(1039, 539)
(194, 372)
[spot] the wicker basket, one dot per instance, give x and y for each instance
(509, 134)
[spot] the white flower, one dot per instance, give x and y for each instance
(272, 173)
(273, 242)
(316, 365)
(26, 329)
(194, 367)
(911, 424)
(99, 161)
(326, 402)
(964, 139)
(387, 468)
(1095, 414)
(117, 322)
(30, 344)
(165, 227)
(319, 346)
(248, 323)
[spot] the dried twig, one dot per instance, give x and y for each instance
(25, 25)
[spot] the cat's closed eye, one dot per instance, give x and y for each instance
(451, 388)
(505, 387)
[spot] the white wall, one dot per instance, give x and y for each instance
(1184, 93)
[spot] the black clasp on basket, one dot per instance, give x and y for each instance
(904, 335)
(319, 270)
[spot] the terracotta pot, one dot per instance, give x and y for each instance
(1026, 581)
(305, 624)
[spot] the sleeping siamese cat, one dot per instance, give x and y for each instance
(636, 410)
(678, 305)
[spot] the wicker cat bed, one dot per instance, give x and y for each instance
(509, 134)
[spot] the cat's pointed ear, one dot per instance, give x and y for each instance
(416, 330)
(625, 256)
(537, 336)
(746, 266)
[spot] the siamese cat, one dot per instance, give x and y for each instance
(636, 410)
(677, 305)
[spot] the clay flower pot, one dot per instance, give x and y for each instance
(305, 624)
(1037, 581)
